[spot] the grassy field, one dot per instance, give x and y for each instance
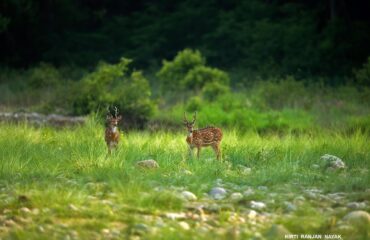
(60, 184)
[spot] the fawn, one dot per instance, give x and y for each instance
(111, 131)
(208, 136)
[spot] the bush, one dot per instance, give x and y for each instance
(282, 93)
(194, 104)
(188, 72)
(199, 76)
(362, 75)
(110, 85)
(45, 75)
(212, 90)
(173, 72)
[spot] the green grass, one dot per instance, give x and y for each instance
(74, 191)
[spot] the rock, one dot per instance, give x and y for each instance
(251, 214)
(257, 205)
(214, 208)
(243, 169)
(175, 216)
(359, 219)
(333, 162)
(148, 164)
(107, 202)
(187, 172)
(315, 166)
(262, 188)
(217, 193)
(35, 211)
(41, 229)
(236, 196)
(356, 205)
(299, 199)
(219, 182)
(184, 225)
(289, 207)
(248, 192)
(311, 195)
(276, 232)
(72, 207)
(140, 229)
(188, 196)
(10, 223)
(25, 210)
(105, 231)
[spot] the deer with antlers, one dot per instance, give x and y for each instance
(208, 136)
(111, 131)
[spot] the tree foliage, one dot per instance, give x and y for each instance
(188, 72)
(302, 38)
(111, 84)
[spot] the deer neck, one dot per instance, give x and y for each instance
(113, 129)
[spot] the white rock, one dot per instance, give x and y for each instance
(25, 210)
(184, 225)
(356, 205)
(262, 188)
(257, 205)
(72, 207)
(290, 207)
(175, 216)
(187, 172)
(188, 196)
(333, 162)
(252, 214)
(217, 193)
(149, 164)
(243, 169)
(236, 196)
(315, 166)
(359, 219)
(248, 192)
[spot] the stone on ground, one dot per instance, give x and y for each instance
(148, 164)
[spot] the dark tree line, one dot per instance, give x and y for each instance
(304, 38)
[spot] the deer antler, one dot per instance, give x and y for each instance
(185, 120)
(194, 117)
(109, 114)
(116, 111)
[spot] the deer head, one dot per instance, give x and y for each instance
(113, 120)
(190, 125)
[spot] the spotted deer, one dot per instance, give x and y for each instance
(208, 136)
(111, 131)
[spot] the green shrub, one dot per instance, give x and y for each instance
(282, 93)
(199, 76)
(110, 84)
(133, 99)
(362, 75)
(44, 75)
(188, 72)
(194, 104)
(173, 72)
(212, 90)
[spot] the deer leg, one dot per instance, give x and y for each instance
(198, 152)
(109, 150)
(190, 151)
(217, 150)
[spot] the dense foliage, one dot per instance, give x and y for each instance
(188, 72)
(303, 38)
(110, 85)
